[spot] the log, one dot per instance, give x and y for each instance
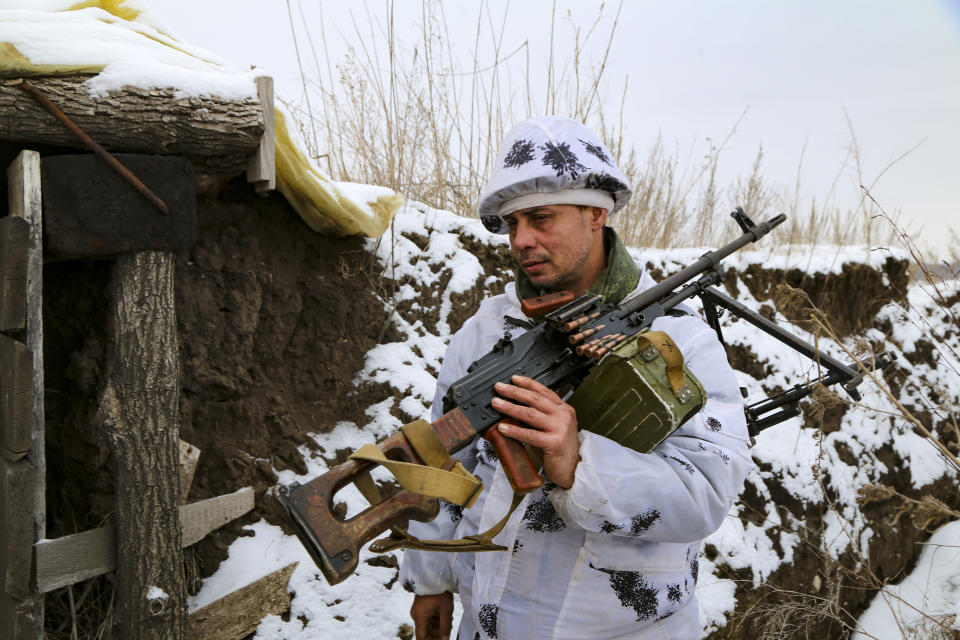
(139, 412)
(81, 556)
(238, 614)
(16, 398)
(218, 135)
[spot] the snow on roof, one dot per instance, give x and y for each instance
(122, 42)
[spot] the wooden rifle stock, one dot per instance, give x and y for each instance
(334, 543)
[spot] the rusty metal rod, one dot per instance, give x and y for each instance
(92, 144)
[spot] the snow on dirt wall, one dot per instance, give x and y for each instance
(801, 539)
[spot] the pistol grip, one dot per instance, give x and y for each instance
(515, 461)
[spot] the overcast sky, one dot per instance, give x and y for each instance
(694, 67)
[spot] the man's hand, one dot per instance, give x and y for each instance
(433, 616)
(553, 425)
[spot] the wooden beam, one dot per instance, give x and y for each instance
(261, 166)
(218, 135)
(16, 398)
(16, 526)
(238, 614)
(14, 247)
(80, 556)
(189, 455)
(25, 202)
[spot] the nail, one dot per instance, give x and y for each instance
(503, 428)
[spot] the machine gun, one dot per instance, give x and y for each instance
(559, 352)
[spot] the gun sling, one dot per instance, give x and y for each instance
(440, 477)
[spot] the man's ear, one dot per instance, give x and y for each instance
(598, 218)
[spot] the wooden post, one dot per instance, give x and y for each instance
(262, 165)
(22, 490)
(139, 412)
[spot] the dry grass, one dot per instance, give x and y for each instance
(417, 118)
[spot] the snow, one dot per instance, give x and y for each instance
(933, 588)
(139, 52)
(156, 593)
(426, 248)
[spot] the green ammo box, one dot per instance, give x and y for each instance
(628, 396)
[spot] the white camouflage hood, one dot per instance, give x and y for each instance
(546, 155)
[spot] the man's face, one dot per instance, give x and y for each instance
(558, 246)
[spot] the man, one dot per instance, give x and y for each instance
(609, 547)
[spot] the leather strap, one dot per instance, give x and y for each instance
(670, 352)
(401, 539)
(440, 477)
(444, 478)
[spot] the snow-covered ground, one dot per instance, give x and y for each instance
(371, 605)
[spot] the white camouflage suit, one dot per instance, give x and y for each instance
(614, 556)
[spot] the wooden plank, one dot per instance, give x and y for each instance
(202, 518)
(238, 614)
(89, 211)
(189, 455)
(24, 192)
(14, 245)
(25, 202)
(80, 556)
(16, 398)
(261, 166)
(16, 526)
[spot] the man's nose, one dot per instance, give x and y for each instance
(522, 236)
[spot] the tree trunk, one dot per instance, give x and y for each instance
(217, 134)
(140, 411)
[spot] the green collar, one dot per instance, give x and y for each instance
(618, 279)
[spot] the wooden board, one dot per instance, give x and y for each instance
(24, 196)
(261, 167)
(80, 556)
(16, 398)
(16, 526)
(14, 245)
(90, 211)
(189, 456)
(201, 518)
(238, 614)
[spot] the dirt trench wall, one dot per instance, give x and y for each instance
(274, 323)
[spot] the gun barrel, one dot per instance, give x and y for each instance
(708, 260)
